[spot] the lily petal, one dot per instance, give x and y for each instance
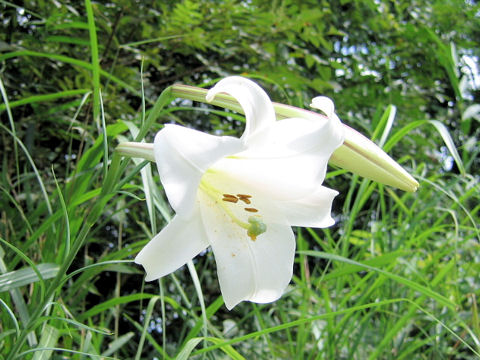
(305, 134)
(179, 242)
(182, 156)
(292, 164)
(311, 211)
(257, 107)
(250, 270)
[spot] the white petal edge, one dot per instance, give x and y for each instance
(179, 242)
(257, 271)
(182, 156)
(258, 109)
(311, 211)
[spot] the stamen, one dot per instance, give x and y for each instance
(229, 195)
(251, 210)
(230, 198)
(245, 198)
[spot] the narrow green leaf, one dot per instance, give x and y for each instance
(44, 97)
(68, 351)
(192, 343)
(149, 337)
(110, 304)
(188, 348)
(118, 343)
(76, 324)
(25, 276)
(71, 25)
(94, 61)
(67, 40)
(447, 139)
(146, 324)
(381, 260)
(12, 316)
(49, 339)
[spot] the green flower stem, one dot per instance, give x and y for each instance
(198, 94)
(137, 150)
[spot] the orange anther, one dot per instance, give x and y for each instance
(244, 196)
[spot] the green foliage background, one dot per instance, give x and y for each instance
(396, 277)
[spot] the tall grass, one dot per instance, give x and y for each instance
(395, 277)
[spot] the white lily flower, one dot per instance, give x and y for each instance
(242, 196)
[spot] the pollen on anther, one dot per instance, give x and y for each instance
(230, 199)
(245, 198)
(251, 210)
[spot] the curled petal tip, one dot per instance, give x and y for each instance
(324, 104)
(226, 84)
(210, 96)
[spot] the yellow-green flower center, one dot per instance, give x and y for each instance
(255, 226)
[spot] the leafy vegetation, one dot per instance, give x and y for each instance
(396, 277)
